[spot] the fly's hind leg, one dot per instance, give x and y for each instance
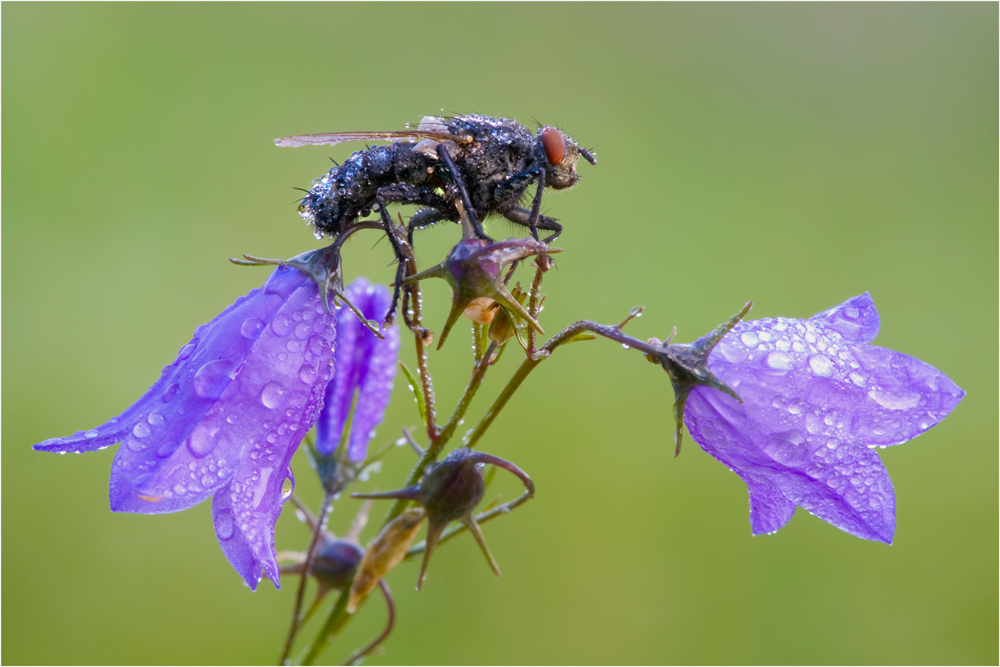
(425, 217)
(402, 194)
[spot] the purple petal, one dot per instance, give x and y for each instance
(856, 319)
(226, 416)
(815, 398)
(844, 485)
(365, 365)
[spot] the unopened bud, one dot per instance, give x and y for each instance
(450, 490)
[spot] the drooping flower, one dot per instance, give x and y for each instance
(365, 367)
(817, 401)
(225, 418)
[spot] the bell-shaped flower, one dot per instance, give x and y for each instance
(225, 418)
(449, 491)
(817, 400)
(366, 367)
(475, 270)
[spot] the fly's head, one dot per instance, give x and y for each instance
(559, 153)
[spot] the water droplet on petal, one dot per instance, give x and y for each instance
(170, 392)
(187, 351)
(781, 361)
(141, 430)
(821, 365)
(288, 485)
(212, 378)
(272, 395)
(224, 525)
(891, 401)
(282, 324)
(251, 328)
(167, 449)
(749, 339)
(202, 441)
(92, 433)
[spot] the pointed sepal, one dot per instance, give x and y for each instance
(687, 366)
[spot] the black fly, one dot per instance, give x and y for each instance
(485, 163)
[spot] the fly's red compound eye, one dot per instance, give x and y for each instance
(554, 144)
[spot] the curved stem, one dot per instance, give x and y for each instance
(360, 654)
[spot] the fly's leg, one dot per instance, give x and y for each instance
(522, 216)
(402, 194)
(456, 178)
(423, 218)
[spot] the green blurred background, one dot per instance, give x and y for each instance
(795, 155)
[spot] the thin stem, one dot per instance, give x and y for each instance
(301, 592)
(536, 285)
(438, 443)
(528, 365)
(334, 622)
(426, 385)
(358, 655)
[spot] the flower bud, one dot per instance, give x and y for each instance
(474, 269)
(450, 490)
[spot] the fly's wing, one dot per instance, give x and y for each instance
(335, 138)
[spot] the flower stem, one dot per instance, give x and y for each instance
(444, 435)
(361, 653)
(301, 592)
(334, 623)
(426, 385)
(536, 286)
(528, 365)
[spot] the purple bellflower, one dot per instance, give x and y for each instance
(225, 418)
(817, 401)
(366, 367)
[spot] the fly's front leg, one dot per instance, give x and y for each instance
(456, 178)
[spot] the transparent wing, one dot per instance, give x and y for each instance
(334, 138)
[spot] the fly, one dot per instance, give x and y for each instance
(480, 164)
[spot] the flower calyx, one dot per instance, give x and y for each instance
(474, 269)
(323, 265)
(687, 366)
(450, 491)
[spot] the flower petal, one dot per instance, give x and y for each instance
(816, 396)
(856, 319)
(845, 485)
(365, 365)
(184, 437)
(234, 545)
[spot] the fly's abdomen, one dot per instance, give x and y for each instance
(348, 192)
